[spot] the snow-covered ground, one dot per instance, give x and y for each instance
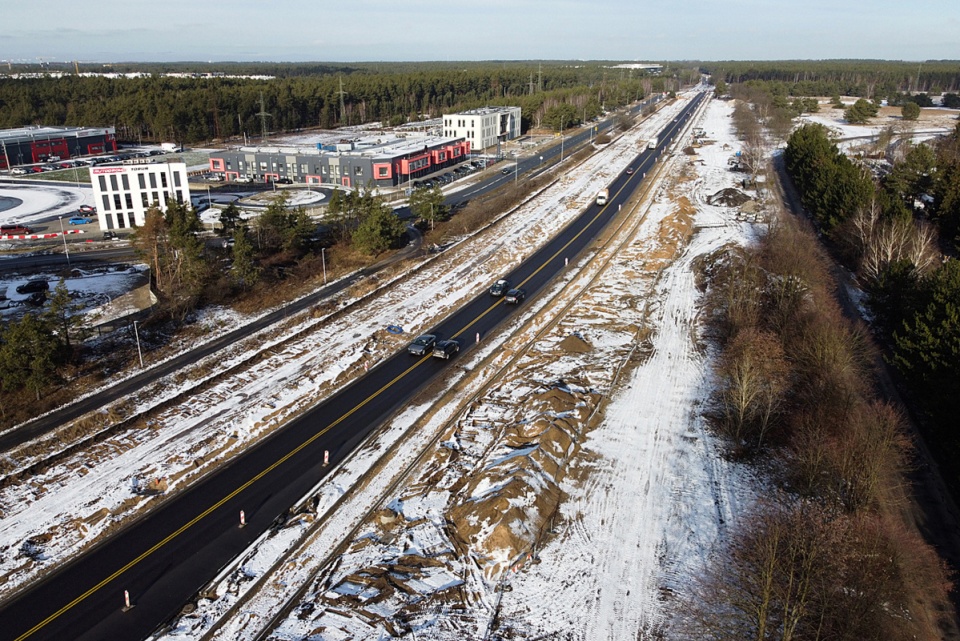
(622, 493)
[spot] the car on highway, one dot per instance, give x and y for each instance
(87, 209)
(422, 345)
(629, 171)
(514, 296)
(505, 171)
(33, 286)
(446, 349)
(500, 287)
(79, 220)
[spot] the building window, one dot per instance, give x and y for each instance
(103, 183)
(116, 202)
(113, 183)
(358, 171)
(109, 219)
(120, 220)
(142, 181)
(163, 180)
(126, 182)
(129, 198)
(153, 184)
(263, 165)
(176, 178)
(143, 198)
(156, 198)
(106, 201)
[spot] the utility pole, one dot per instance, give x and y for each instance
(263, 118)
(540, 77)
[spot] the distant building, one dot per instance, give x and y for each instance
(483, 127)
(124, 194)
(380, 162)
(28, 145)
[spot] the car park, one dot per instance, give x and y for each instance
(514, 296)
(446, 349)
(87, 209)
(500, 287)
(422, 345)
(79, 220)
(33, 286)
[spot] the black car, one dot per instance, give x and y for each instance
(500, 287)
(284, 181)
(33, 286)
(422, 345)
(514, 296)
(446, 349)
(506, 170)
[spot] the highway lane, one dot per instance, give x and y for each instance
(165, 557)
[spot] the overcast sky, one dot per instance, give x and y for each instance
(368, 30)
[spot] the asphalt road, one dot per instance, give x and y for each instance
(164, 558)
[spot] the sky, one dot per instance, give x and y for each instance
(414, 30)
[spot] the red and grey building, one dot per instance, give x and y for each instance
(353, 164)
(28, 145)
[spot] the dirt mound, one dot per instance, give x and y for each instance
(728, 197)
(575, 344)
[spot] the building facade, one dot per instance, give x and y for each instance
(484, 127)
(353, 164)
(124, 194)
(28, 145)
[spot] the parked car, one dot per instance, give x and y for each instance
(243, 179)
(79, 220)
(87, 209)
(32, 286)
(109, 235)
(14, 230)
(514, 296)
(500, 287)
(422, 345)
(284, 181)
(18, 171)
(446, 349)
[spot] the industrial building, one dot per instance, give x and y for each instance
(484, 127)
(28, 145)
(124, 194)
(383, 161)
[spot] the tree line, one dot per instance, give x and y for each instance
(879, 79)
(157, 107)
(825, 554)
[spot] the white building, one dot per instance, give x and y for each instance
(483, 127)
(124, 194)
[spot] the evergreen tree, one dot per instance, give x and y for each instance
(910, 111)
(427, 204)
(29, 356)
(244, 272)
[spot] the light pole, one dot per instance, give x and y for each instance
(561, 138)
(323, 259)
(516, 171)
(64, 236)
(136, 333)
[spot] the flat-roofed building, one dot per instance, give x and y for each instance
(382, 161)
(484, 127)
(124, 194)
(28, 145)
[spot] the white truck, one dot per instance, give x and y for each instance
(169, 147)
(652, 143)
(602, 196)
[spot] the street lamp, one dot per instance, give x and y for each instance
(323, 259)
(561, 138)
(136, 333)
(63, 235)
